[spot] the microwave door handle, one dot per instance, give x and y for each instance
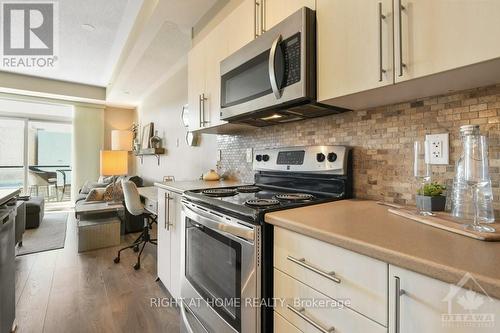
(272, 70)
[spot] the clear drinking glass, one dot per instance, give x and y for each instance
(421, 169)
(476, 175)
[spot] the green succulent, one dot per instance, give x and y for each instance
(432, 189)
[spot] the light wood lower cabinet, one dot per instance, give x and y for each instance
(422, 304)
(170, 241)
(311, 311)
(281, 325)
(335, 272)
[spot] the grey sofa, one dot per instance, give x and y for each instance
(132, 223)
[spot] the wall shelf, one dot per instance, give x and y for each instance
(150, 152)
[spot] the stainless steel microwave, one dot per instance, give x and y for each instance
(272, 79)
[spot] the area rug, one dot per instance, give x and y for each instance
(50, 235)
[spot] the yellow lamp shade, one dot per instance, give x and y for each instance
(114, 162)
(121, 140)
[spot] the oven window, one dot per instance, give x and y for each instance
(247, 82)
(213, 267)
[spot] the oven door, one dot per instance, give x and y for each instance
(220, 270)
(272, 71)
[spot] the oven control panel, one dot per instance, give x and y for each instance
(321, 159)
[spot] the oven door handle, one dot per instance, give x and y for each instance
(189, 328)
(272, 69)
(218, 224)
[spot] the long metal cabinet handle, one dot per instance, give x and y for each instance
(301, 313)
(397, 304)
(302, 262)
(263, 16)
(272, 72)
(199, 109)
(401, 62)
(202, 110)
(256, 15)
(167, 211)
(381, 17)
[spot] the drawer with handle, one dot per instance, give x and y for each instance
(281, 325)
(311, 311)
(334, 271)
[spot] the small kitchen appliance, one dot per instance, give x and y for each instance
(272, 79)
(228, 247)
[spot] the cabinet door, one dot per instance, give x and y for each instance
(439, 35)
(276, 11)
(432, 306)
(240, 26)
(163, 248)
(355, 46)
(215, 52)
(176, 244)
(196, 83)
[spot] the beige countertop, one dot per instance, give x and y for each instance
(181, 186)
(368, 228)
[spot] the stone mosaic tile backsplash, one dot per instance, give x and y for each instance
(382, 140)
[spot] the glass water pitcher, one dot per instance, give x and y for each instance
(467, 202)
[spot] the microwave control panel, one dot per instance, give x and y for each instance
(291, 53)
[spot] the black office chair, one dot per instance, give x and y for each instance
(135, 207)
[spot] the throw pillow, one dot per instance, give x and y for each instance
(106, 180)
(95, 194)
(119, 191)
(108, 192)
(89, 185)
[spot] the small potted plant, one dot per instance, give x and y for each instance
(430, 197)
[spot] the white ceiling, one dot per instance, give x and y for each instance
(158, 51)
(89, 57)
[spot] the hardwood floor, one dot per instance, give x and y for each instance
(64, 291)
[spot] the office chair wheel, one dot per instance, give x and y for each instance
(136, 248)
(117, 260)
(137, 266)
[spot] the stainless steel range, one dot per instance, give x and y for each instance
(227, 283)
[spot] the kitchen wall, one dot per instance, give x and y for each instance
(382, 139)
(163, 107)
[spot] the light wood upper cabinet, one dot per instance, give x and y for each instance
(214, 52)
(428, 305)
(196, 84)
(239, 26)
(439, 35)
(354, 46)
(276, 11)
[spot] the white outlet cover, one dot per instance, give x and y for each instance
(249, 155)
(438, 149)
(219, 155)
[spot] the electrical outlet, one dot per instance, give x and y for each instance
(219, 155)
(249, 155)
(438, 148)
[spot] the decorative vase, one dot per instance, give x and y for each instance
(155, 141)
(431, 204)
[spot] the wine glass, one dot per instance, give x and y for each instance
(421, 169)
(476, 175)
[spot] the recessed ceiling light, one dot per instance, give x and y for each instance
(88, 27)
